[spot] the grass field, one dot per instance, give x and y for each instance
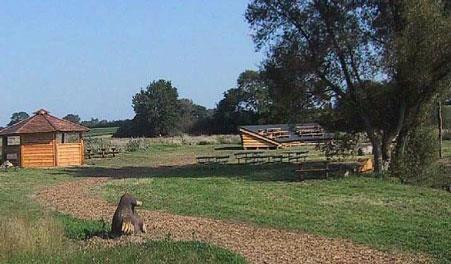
(30, 234)
(378, 212)
(101, 132)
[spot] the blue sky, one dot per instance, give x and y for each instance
(91, 57)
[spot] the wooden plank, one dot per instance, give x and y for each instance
(21, 155)
(37, 155)
(69, 154)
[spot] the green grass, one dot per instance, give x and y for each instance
(165, 251)
(30, 234)
(378, 212)
(80, 229)
(366, 210)
(101, 132)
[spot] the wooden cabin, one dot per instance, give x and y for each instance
(281, 135)
(43, 141)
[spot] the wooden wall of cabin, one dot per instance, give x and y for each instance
(44, 150)
(2, 149)
(11, 152)
(38, 150)
(251, 142)
(69, 154)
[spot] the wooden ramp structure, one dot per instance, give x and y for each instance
(43, 141)
(281, 135)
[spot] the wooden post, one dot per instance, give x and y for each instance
(55, 150)
(21, 155)
(82, 151)
(440, 128)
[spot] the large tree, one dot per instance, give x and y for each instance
(340, 51)
(189, 115)
(247, 103)
(17, 117)
(156, 109)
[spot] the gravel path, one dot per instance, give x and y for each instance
(256, 244)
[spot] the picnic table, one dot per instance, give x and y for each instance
(254, 157)
(101, 153)
(212, 159)
(248, 156)
(313, 167)
(296, 156)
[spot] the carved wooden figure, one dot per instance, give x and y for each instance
(125, 220)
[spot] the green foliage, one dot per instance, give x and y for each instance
(248, 103)
(96, 144)
(329, 51)
(159, 112)
(136, 144)
(73, 118)
(446, 112)
(190, 117)
(79, 229)
(417, 163)
(156, 109)
(17, 117)
(342, 146)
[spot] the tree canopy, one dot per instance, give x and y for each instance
(73, 118)
(339, 52)
(156, 109)
(17, 117)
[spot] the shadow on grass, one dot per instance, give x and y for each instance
(229, 148)
(262, 172)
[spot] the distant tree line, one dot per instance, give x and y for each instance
(160, 112)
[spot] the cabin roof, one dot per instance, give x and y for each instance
(42, 122)
(291, 128)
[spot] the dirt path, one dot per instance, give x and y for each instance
(256, 244)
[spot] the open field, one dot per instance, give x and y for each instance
(380, 213)
(101, 132)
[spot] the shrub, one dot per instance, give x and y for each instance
(418, 164)
(136, 144)
(98, 143)
(342, 147)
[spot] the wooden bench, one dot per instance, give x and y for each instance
(101, 153)
(248, 156)
(322, 166)
(212, 159)
(296, 159)
(292, 156)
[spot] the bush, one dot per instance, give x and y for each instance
(98, 143)
(418, 164)
(342, 147)
(136, 144)
(446, 134)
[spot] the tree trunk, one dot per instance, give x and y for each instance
(376, 142)
(386, 152)
(440, 128)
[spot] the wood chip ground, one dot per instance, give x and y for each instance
(256, 244)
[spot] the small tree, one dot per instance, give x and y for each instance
(17, 117)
